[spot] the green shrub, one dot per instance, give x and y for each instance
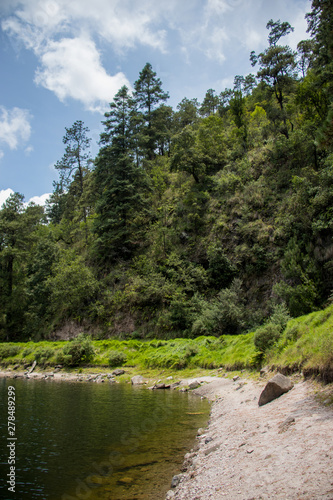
(117, 358)
(77, 351)
(27, 351)
(280, 316)
(42, 354)
(9, 350)
(266, 336)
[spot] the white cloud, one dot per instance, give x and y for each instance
(28, 150)
(71, 68)
(66, 35)
(4, 194)
(1, 154)
(14, 126)
(40, 200)
(215, 48)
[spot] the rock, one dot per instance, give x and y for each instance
(193, 385)
(236, 377)
(118, 371)
(275, 387)
(137, 380)
(56, 370)
(212, 449)
(208, 440)
(176, 480)
(200, 432)
(286, 424)
(159, 386)
(170, 494)
(15, 367)
(174, 385)
(264, 371)
(170, 378)
(125, 480)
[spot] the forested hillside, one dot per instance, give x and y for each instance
(201, 220)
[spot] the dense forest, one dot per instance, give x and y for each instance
(206, 219)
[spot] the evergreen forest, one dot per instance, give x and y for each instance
(208, 219)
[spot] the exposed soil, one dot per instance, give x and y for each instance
(283, 450)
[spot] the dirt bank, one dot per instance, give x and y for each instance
(283, 450)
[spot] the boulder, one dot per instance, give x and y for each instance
(176, 480)
(137, 380)
(193, 385)
(275, 387)
(118, 371)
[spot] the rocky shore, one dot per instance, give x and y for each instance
(281, 450)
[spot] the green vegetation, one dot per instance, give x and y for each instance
(191, 227)
(306, 344)
(203, 352)
(300, 344)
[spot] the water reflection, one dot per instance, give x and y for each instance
(82, 441)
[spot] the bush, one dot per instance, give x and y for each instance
(27, 351)
(42, 354)
(117, 358)
(9, 350)
(266, 336)
(77, 351)
(280, 316)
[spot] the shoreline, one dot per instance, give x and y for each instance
(281, 450)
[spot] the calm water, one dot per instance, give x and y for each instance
(99, 441)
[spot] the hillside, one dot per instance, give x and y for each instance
(206, 220)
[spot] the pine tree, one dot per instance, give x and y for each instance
(148, 94)
(120, 181)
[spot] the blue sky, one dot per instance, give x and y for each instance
(63, 60)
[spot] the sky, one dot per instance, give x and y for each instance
(64, 60)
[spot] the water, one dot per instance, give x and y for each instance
(96, 441)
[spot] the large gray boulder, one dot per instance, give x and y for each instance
(275, 387)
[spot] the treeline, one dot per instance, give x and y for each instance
(204, 220)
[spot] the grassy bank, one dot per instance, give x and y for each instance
(305, 344)
(204, 353)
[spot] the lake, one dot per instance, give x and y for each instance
(96, 441)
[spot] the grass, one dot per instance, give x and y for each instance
(203, 353)
(305, 345)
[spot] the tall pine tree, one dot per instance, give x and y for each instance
(121, 183)
(148, 94)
